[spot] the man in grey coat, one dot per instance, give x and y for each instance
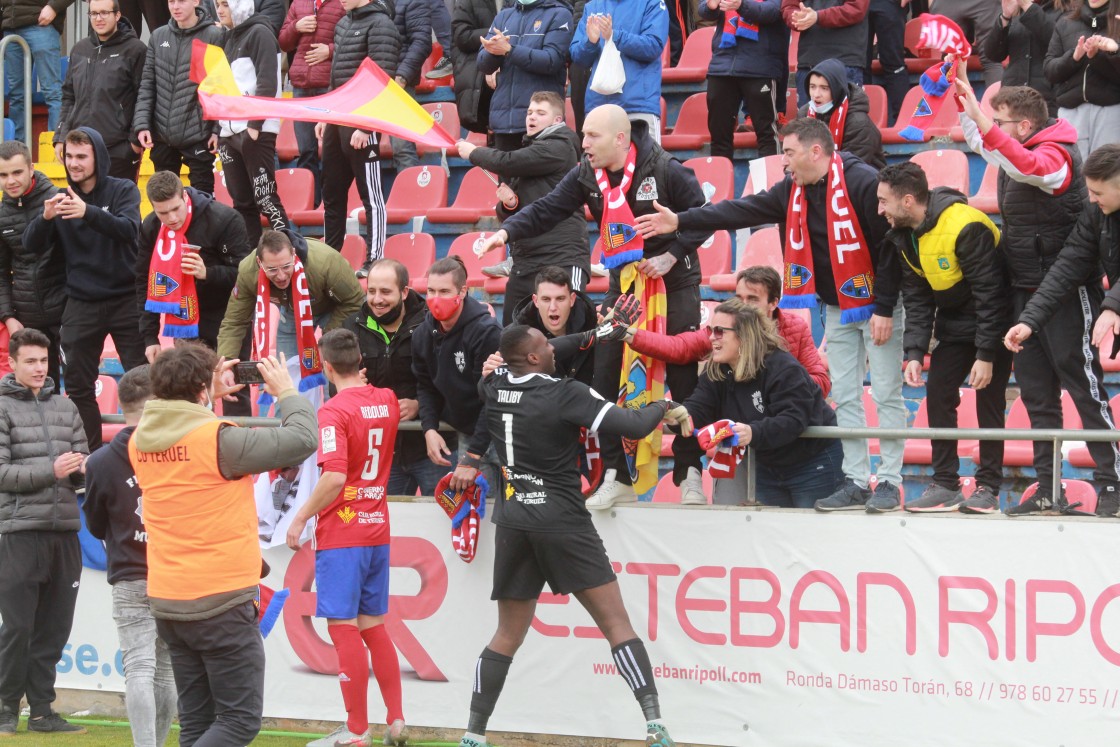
(42, 450)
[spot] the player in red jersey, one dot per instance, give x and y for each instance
(357, 430)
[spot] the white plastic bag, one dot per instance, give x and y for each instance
(610, 75)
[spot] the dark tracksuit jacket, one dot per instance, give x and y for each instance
(113, 509)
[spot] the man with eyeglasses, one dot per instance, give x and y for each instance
(1041, 197)
(101, 87)
(332, 290)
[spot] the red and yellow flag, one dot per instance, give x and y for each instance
(370, 100)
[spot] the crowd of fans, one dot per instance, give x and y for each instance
(902, 271)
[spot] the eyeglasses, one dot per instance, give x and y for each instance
(274, 271)
(95, 14)
(1002, 122)
(718, 331)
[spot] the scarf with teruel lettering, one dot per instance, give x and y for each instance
(837, 120)
(622, 243)
(310, 367)
(728, 453)
(736, 27)
(172, 292)
(847, 250)
(945, 36)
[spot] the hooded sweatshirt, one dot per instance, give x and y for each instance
(100, 248)
(113, 510)
(860, 136)
(254, 57)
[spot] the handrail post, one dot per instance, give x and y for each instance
(1056, 480)
(752, 476)
(27, 92)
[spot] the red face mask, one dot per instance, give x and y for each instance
(444, 308)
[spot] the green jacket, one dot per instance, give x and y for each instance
(330, 280)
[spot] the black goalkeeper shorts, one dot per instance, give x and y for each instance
(567, 561)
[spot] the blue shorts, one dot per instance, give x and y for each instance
(352, 581)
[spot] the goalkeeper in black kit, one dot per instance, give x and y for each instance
(543, 530)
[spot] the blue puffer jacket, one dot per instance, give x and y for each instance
(765, 58)
(640, 29)
(540, 34)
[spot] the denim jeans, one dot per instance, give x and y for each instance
(797, 486)
(286, 330)
(47, 56)
(149, 683)
(308, 143)
(404, 479)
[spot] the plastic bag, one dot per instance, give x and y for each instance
(610, 75)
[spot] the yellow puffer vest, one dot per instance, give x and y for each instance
(937, 252)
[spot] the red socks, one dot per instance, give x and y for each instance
(386, 669)
(353, 675)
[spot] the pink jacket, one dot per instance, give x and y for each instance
(300, 73)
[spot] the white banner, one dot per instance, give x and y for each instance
(770, 627)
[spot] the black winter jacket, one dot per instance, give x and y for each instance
(1023, 43)
(414, 24)
(845, 43)
(470, 21)
(672, 184)
(168, 102)
(388, 363)
(1092, 247)
(274, 11)
(100, 249)
(861, 136)
(770, 207)
(973, 310)
(1093, 80)
(367, 31)
(532, 172)
(765, 57)
(113, 509)
(16, 14)
(448, 367)
(32, 276)
(219, 232)
(778, 405)
(31, 497)
(102, 84)
(572, 361)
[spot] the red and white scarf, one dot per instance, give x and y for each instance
(725, 441)
(172, 292)
(310, 367)
(837, 120)
(466, 509)
(621, 241)
(847, 250)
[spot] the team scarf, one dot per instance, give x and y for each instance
(728, 452)
(643, 377)
(310, 367)
(735, 27)
(172, 292)
(837, 120)
(851, 260)
(945, 36)
(592, 466)
(466, 509)
(622, 243)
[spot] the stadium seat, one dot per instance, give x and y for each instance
(692, 67)
(475, 198)
(296, 189)
(221, 194)
(941, 125)
(416, 190)
(417, 252)
(464, 244)
(920, 450)
(425, 85)
(715, 256)
(764, 173)
(667, 492)
(748, 140)
(105, 390)
(1021, 453)
(707, 308)
(1077, 491)
(287, 147)
(354, 250)
(1079, 455)
(596, 284)
(691, 128)
(716, 175)
(446, 116)
(877, 100)
(764, 247)
(986, 199)
(944, 168)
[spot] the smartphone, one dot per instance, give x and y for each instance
(246, 373)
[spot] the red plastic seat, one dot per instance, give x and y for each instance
(425, 85)
(715, 256)
(475, 198)
(920, 450)
(716, 175)
(221, 193)
(1077, 491)
(944, 168)
(763, 174)
(696, 55)
(296, 188)
(287, 147)
(1021, 453)
(941, 125)
(667, 492)
(105, 390)
(464, 244)
(417, 252)
(986, 199)
(764, 247)
(691, 128)
(597, 284)
(446, 116)
(877, 100)
(415, 191)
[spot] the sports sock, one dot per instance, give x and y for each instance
(489, 677)
(353, 675)
(633, 664)
(386, 668)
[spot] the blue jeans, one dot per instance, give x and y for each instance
(286, 331)
(798, 486)
(47, 56)
(308, 144)
(404, 151)
(855, 75)
(405, 479)
(441, 25)
(150, 694)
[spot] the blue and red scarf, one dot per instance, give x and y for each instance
(735, 27)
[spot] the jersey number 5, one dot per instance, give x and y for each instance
(369, 470)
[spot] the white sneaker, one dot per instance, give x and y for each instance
(342, 736)
(500, 270)
(610, 493)
(692, 489)
(599, 271)
(396, 734)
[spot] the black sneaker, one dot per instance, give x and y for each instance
(936, 498)
(1036, 504)
(53, 724)
(849, 497)
(1108, 500)
(363, 271)
(9, 720)
(442, 69)
(983, 500)
(886, 497)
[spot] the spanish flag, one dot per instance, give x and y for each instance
(368, 101)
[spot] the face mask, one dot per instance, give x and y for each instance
(209, 401)
(444, 308)
(526, 2)
(391, 315)
(820, 108)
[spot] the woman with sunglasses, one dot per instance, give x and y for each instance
(770, 400)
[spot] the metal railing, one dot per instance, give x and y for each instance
(27, 90)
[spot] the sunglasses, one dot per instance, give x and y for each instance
(718, 331)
